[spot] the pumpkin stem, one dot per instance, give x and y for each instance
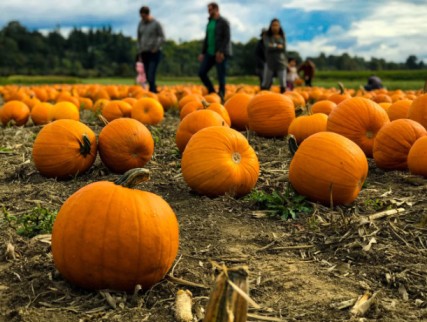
(85, 145)
(205, 104)
(103, 119)
(341, 87)
(236, 157)
(292, 144)
(133, 177)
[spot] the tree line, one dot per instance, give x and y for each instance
(101, 52)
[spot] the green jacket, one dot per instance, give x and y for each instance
(222, 38)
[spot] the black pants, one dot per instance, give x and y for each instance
(207, 63)
(151, 61)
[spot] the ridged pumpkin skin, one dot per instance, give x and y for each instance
(305, 125)
(110, 237)
(15, 111)
(358, 119)
(393, 142)
(328, 164)
(125, 144)
(64, 148)
(219, 160)
(270, 115)
(418, 110)
(193, 123)
(417, 157)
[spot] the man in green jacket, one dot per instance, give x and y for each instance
(216, 49)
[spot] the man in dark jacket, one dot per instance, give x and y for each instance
(216, 49)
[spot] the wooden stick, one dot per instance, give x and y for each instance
(382, 214)
(184, 282)
(292, 247)
(264, 318)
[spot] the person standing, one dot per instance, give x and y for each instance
(275, 55)
(307, 68)
(291, 73)
(260, 57)
(216, 49)
(150, 40)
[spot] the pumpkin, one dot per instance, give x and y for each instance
(193, 123)
(324, 106)
(15, 112)
(168, 99)
(237, 108)
(116, 109)
(358, 119)
(65, 110)
(393, 142)
(147, 110)
(417, 157)
(305, 125)
(219, 160)
(328, 168)
(110, 236)
(190, 107)
(41, 113)
(125, 144)
(64, 148)
(399, 109)
(341, 96)
(271, 114)
(418, 110)
(220, 109)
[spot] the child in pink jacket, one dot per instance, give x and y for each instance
(141, 77)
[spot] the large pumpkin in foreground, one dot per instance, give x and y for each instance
(328, 167)
(64, 148)
(109, 236)
(219, 160)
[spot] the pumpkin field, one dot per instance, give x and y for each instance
(116, 202)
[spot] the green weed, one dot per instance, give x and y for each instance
(37, 221)
(283, 205)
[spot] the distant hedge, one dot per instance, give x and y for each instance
(37, 80)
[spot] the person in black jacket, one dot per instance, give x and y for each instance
(216, 49)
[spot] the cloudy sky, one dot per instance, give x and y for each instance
(389, 29)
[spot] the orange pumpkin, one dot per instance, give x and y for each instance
(190, 107)
(327, 167)
(193, 123)
(270, 114)
(399, 109)
(168, 99)
(417, 157)
(116, 109)
(220, 109)
(325, 106)
(15, 112)
(393, 142)
(418, 110)
(358, 119)
(41, 113)
(64, 148)
(237, 108)
(305, 125)
(125, 144)
(147, 110)
(65, 110)
(219, 160)
(110, 236)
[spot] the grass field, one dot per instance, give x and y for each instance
(402, 79)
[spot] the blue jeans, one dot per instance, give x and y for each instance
(151, 61)
(207, 63)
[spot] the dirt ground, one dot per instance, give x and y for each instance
(299, 270)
